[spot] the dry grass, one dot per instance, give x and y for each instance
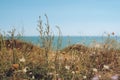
(76, 62)
(24, 61)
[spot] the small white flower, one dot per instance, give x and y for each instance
(33, 77)
(95, 70)
(99, 76)
(67, 67)
(81, 52)
(22, 59)
(106, 67)
(59, 79)
(73, 72)
(25, 69)
(94, 52)
(95, 78)
(50, 73)
(115, 77)
(84, 77)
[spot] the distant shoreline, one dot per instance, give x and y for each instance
(70, 40)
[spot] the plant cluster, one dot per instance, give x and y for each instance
(20, 60)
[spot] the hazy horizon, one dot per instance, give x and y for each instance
(75, 18)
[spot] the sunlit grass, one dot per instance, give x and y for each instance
(21, 60)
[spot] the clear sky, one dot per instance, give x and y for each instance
(74, 17)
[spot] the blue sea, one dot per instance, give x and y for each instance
(69, 40)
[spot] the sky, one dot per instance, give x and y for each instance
(74, 17)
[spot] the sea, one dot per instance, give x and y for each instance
(70, 40)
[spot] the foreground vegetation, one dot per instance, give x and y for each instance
(20, 60)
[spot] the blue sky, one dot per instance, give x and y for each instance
(74, 17)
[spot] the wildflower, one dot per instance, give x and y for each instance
(50, 73)
(84, 77)
(99, 76)
(115, 77)
(94, 52)
(22, 59)
(67, 67)
(106, 67)
(81, 52)
(59, 79)
(73, 72)
(95, 78)
(30, 73)
(95, 70)
(33, 77)
(25, 69)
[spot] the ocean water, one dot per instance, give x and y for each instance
(69, 40)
